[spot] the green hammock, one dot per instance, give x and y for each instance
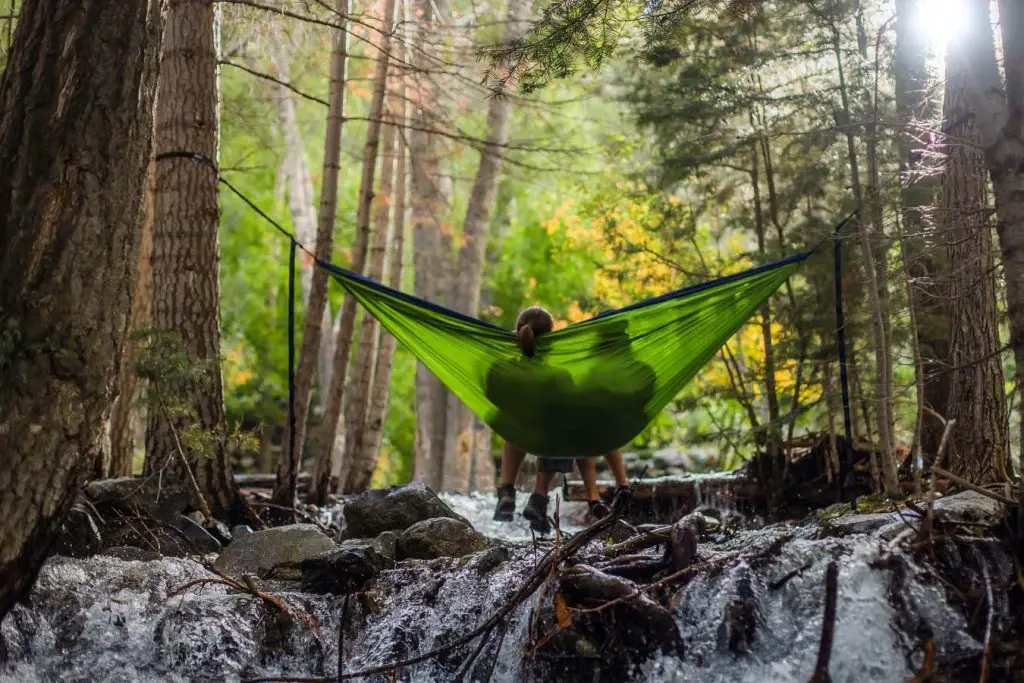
(590, 387)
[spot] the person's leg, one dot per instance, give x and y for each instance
(617, 464)
(511, 460)
(536, 510)
(512, 457)
(543, 482)
(588, 470)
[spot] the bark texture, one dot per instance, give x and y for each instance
(981, 444)
(127, 413)
(186, 258)
(325, 443)
(317, 325)
(76, 104)
(460, 447)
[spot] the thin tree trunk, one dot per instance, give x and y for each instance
(317, 311)
(925, 266)
(374, 430)
(186, 260)
(72, 176)
(355, 471)
(979, 449)
(459, 450)
(772, 433)
(429, 256)
(889, 479)
(127, 411)
(325, 443)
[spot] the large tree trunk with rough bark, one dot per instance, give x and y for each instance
(430, 245)
(999, 116)
(186, 262)
(980, 446)
(72, 173)
(356, 472)
(127, 413)
(923, 256)
(317, 328)
(460, 449)
(325, 442)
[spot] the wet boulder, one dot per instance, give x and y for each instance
(384, 544)
(439, 537)
(393, 509)
(342, 570)
(261, 551)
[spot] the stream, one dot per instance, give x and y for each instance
(754, 615)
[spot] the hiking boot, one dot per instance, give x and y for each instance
(536, 512)
(598, 509)
(506, 507)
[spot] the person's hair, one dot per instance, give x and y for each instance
(531, 322)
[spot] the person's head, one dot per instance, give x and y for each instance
(531, 322)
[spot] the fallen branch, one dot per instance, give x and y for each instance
(828, 626)
(973, 487)
(248, 585)
(533, 581)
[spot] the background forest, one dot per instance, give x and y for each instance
(691, 140)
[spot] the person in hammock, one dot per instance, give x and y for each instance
(526, 402)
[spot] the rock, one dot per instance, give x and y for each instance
(130, 553)
(240, 530)
(394, 509)
(864, 523)
(197, 539)
(260, 551)
(343, 570)
(384, 543)
(161, 500)
(439, 537)
(490, 559)
(79, 535)
(971, 508)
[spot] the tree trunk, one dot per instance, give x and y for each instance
(924, 262)
(374, 429)
(72, 176)
(980, 445)
(186, 259)
(772, 433)
(325, 444)
(127, 412)
(355, 471)
(429, 255)
(460, 430)
(887, 471)
(317, 316)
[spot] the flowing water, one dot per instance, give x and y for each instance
(104, 619)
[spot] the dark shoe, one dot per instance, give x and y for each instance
(506, 507)
(598, 509)
(536, 512)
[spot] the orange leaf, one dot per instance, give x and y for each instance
(562, 613)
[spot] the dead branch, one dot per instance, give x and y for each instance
(828, 626)
(973, 487)
(986, 653)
